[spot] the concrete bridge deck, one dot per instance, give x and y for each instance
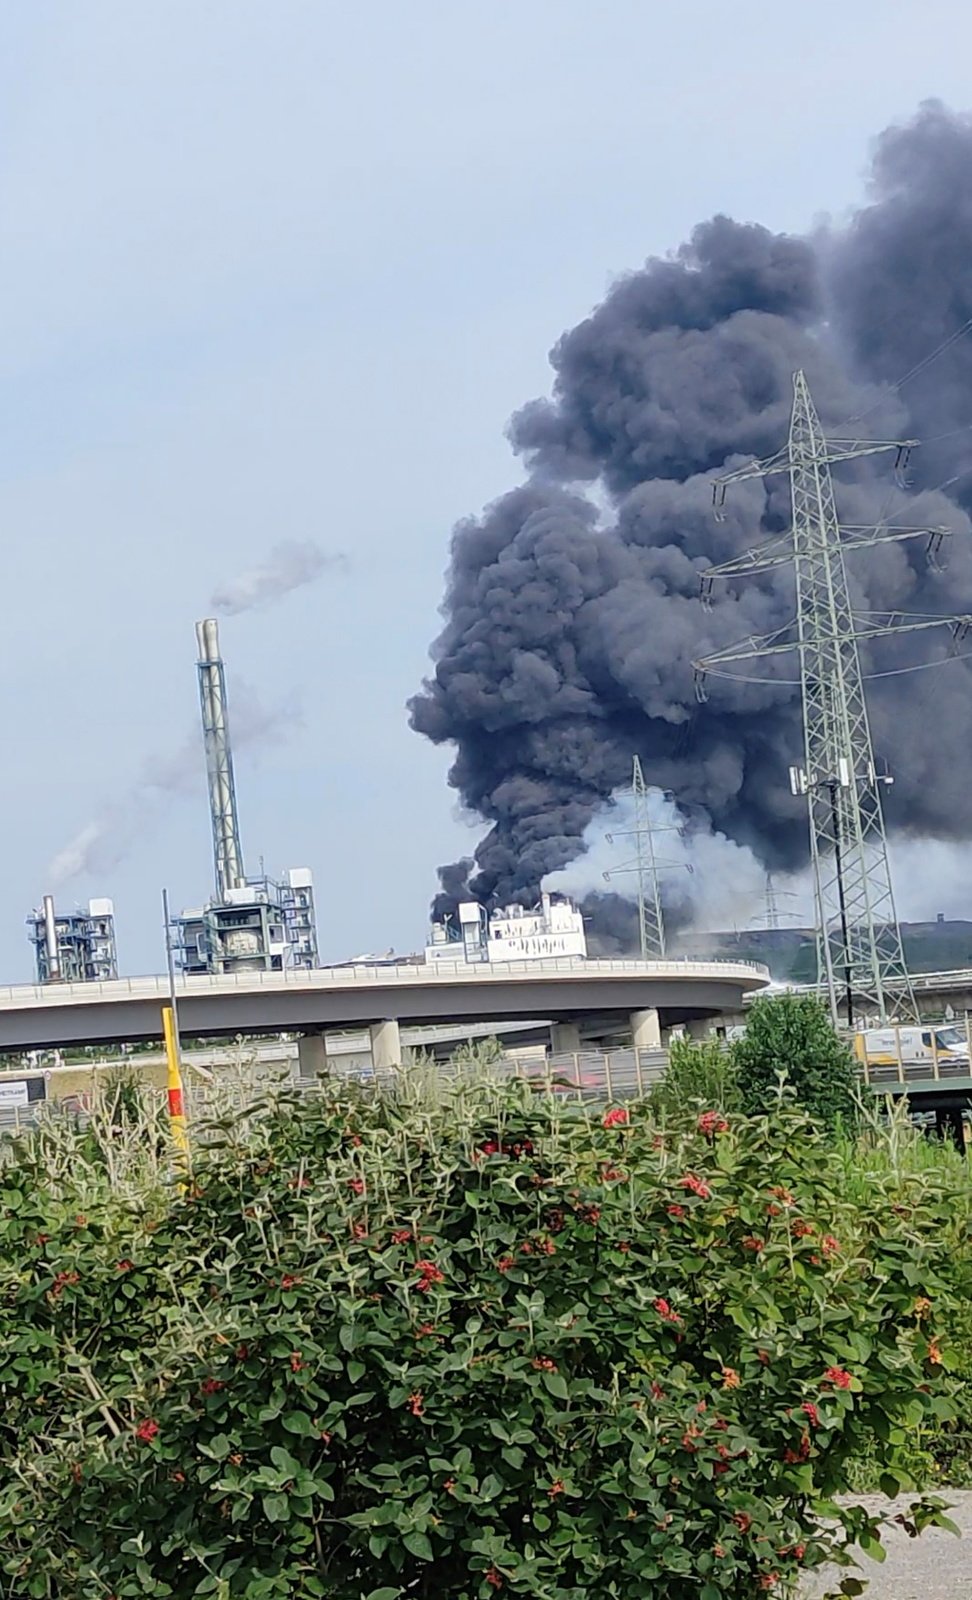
(127, 1010)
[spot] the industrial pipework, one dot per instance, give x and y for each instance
(227, 851)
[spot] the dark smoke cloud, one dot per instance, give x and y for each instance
(570, 630)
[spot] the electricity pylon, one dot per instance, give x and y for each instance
(859, 950)
(775, 915)
(647, 868)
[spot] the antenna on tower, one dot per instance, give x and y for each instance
(859, 950)
(646, 867)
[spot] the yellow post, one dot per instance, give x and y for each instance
(177, 1110)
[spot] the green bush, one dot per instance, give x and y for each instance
(790, 1036)
(698, 1072)
(494, 1345)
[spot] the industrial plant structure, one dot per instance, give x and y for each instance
(74, 946)
(553, 929)
(250, 924)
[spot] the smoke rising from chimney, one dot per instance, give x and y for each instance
(570, 630)
(290, 565)
(121, 823)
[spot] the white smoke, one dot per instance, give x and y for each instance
(290, 565)
(109, 836)
(721, 881)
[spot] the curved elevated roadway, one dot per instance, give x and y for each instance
(127, 1010)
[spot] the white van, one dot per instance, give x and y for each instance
(944, 1048)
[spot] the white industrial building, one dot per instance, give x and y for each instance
(552, 930)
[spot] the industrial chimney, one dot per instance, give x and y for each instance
(50, 940)
(227, 851)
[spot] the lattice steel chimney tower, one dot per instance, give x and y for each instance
(227, 850)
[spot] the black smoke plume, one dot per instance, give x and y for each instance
(570, 630)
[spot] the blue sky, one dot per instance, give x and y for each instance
(281, 269)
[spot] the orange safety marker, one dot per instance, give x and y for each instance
(177, 1110)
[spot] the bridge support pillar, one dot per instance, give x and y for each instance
(698, 1028)
(565, 1039)
(646, 1030)
(311, 1056)
(386, 1044)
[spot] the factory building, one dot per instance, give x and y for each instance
(74, 946)
(552, 930)
(250, 924)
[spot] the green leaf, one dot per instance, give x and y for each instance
(356, 1371)
(276, 1507)
(298, 1422)
(283, 1460)
(890, 1485)
(218, 1447)
(419, 1545)
(383, 1594)
(872, 1547)
(554, 1382)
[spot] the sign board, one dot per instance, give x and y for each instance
(14, 1094)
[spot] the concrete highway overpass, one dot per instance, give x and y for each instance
(642, 999)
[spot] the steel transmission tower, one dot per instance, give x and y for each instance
(646, 867)
(775, 915)
(859, 950)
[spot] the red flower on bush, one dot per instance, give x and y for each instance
(147, 1430)
(743, 1521)
(730, 1378)
(829, 1245)
(211, 1386)
(63, 1280)
(242, 1352)
(126, 1266)
(505, 1263)
(695, 1185)
(296, 1363)
(802, 1230)
(934, 1353)
(809, 1410)
(665, 1311)
(416, 1403)
(617, 1118)
(712, 1122)
(557, 1487)
(753, 1244)
(494, 1578)
(838, 1376)
(356, 1185)
(288, 1281)
(611, 1175)
(657, 1392)
(429, 1274)
(401, 1236)
(544, 1364)
(676, 1211)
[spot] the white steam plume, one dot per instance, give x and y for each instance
(108, 837)
(290, 565)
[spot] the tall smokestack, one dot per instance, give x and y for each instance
(50, 940)
(227, 851)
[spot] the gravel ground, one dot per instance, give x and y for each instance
(935, 1567)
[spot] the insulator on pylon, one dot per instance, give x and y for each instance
(700, 690)
(901, 461)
